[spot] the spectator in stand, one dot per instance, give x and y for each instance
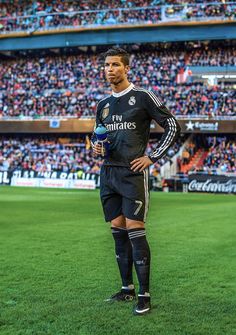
(185, 156)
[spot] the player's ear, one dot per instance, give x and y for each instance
(127, 68)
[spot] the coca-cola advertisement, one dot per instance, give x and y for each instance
(212, 183)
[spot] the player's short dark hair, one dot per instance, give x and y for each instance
(115, 51)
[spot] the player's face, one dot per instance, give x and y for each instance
(115, 71)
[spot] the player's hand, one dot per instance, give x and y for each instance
(141, 163)
(97, 149)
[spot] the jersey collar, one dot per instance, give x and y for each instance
(127, 90)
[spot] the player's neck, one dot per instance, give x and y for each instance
(120, 86)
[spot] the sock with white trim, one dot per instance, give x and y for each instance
(141, 258)
(124, 256)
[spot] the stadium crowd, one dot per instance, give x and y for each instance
(221, 156)
(43, 15)
(74, 155)
(20, 8)
(71, 85)
(202, 10)
(206, 56)
(46, 154)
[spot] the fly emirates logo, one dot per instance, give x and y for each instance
(119, 124)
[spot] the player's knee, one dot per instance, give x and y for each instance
(132, 224)
(119, 222)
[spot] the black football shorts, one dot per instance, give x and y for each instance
(124, 192)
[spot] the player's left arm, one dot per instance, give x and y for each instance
(158, 112)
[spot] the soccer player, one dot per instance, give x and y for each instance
(124, 184)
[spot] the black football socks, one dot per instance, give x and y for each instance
(141, 258)
(123, 249)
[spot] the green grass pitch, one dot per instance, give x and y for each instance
(57, 265)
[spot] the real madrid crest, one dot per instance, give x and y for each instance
(105, 111)
(132, 101)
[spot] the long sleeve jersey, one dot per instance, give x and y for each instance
(127, 117)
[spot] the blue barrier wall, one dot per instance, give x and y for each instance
(120, 36)
(213, 69)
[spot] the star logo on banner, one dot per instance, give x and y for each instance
(190, 125)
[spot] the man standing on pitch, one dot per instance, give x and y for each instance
(124, 185)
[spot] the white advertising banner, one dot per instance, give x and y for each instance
(24, 182)
(54, 183)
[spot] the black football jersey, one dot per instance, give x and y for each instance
(127, 116)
